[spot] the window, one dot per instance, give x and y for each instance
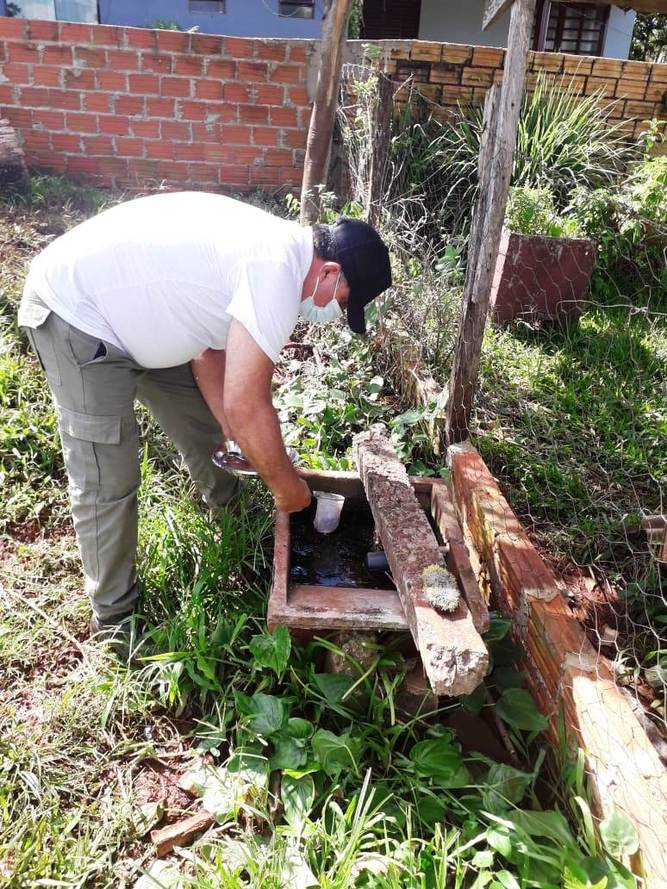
(210, 6)
(297, 9)
(571, 27)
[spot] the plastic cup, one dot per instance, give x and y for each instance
(329, 507)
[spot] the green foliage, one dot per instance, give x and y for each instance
(164, 25)
(532, 211)
(649, 37)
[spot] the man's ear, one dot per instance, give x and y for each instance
(331, 268)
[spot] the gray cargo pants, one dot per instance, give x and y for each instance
(94, 386)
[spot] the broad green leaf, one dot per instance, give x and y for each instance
(288, 753)
(333, 685)
(579, 880)
(272, 650)
(430, 809)
(267, 715)
(440, 760)
(504, 786)
(550, 824)
(516, 707)
(499, 839)
(483, 858)
(499, 627)
(507, 677)
(334, 752)
(619, 835)
(474, 702)
(507, 879)
(298, 728)
(298, 795)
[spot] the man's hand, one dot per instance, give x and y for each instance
(295, 499)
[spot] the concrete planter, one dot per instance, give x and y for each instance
(541, 279)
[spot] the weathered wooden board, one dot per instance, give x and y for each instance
(565, 673)
(312, 607)
(180, 833)
(454, 656)
(493, 9)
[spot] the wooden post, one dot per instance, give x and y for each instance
(318, 145)
(380, 148)
(488, 222)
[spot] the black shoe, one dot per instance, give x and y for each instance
(124, 637)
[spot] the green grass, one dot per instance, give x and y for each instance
(371, 796)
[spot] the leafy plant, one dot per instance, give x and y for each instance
(532, 211)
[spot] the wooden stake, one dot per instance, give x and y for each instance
(502, 124)
(179, 834)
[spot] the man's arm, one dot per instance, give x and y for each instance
(208, 369)
(253, 422)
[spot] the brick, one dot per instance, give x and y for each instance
(47, 75)
(638, 109)
(283, 117)
(144, 84)
(129, 105)
(13, 28)
(81, 123)
(117, 124)
(576, 65)
(656, 92)
(221, 69)
(452, 52)
(48, 120)
(160, 150)
(42, 30)
(300, 53)
(455, 94)
(79, 79)
(97, 102)
(186, 66)
(126, 147)
(236, 92)
(112, 165)
(67, 99)
(91, 58)
(658, 74)
(24, 52)
(141, 38)
(33, 97)
(53, 161)
(268, 94)
(206, 44)
(298, 95)
(173, 41)
(233, 175)
(547, 61)
(189, 151)
(266, 176)
(476, 77)
(271, 50)
(203, 173)
(176, 130)
(109, 35)
(253, 114)
(175, 86)
(145, 129)
(144, 167)
(288, 74)
(445, 74)
(206, 132)
(239, 48)
(74, 32)
(631, 89)
(122, 60)
(488, 57)
(36, 140)
(278, 157)
(599, 85)
(294, 138)
(430, 91)
(111, 82)
(19, 73)
(232, 135)
(174, 171)
(607, 68)
(66, 142)
(78, 164)
(208, 89)
(57, 55)
(256, 72)
(159, 64)
(162, 107)
(426, 52)
(21, 118)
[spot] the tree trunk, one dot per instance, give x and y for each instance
(318, 145)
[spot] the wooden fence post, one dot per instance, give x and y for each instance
(502, 120)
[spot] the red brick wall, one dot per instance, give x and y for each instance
(131, 107)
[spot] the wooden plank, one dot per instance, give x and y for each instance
(565, 673)
(458, 560)
(339, 608)
(488, 223)
(452, 651)
(493, 9)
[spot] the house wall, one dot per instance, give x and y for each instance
(454, 21)
(244, 18)
(136, 108)
(460, 21)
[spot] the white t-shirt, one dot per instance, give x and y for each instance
(161, 277)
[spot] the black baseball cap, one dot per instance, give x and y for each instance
(364, 259)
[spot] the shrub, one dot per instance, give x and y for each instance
(532, 211)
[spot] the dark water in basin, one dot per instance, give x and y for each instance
(335, 559)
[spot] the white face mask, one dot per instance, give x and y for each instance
(321, 314)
